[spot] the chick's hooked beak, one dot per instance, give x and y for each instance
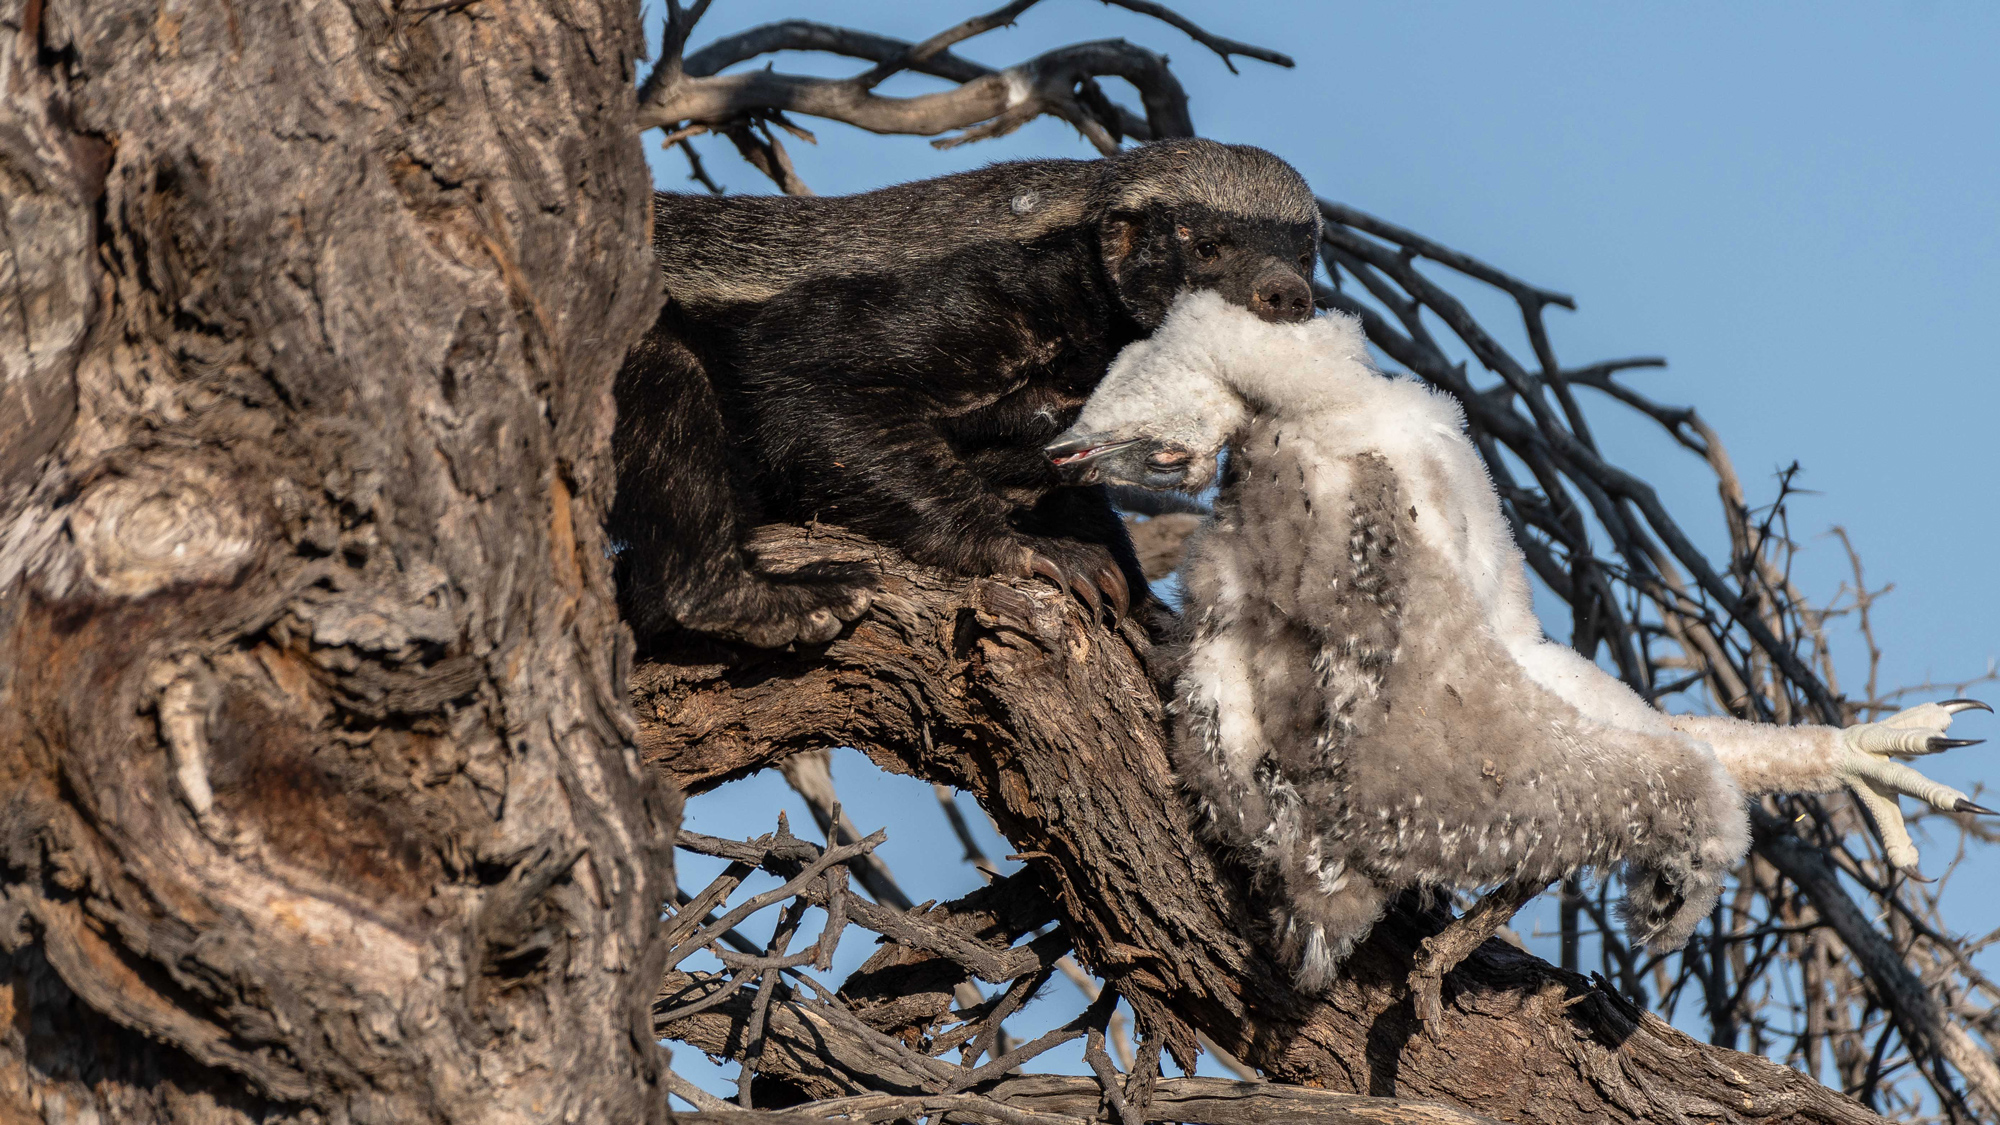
(1078, 456)
(1153, 463)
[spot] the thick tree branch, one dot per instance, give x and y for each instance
(317, 795)
(1058, 1100)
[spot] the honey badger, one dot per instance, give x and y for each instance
(894, 361)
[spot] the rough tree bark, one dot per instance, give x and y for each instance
(1007, 691)
(318, 800)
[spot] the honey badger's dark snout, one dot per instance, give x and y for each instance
(1280, 295)
(1264, 265)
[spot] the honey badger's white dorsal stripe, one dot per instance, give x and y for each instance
(1369, 702)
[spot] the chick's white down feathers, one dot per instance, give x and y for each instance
(1367, 702)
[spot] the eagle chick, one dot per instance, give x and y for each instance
(1368, 703)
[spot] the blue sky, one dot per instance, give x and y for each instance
(1795, 203)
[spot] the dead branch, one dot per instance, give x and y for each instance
(1916, 1013)
(816, 1042)
(1441, 952)
(684, 93)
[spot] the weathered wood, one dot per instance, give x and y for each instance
(1073, 1101)
(1005, 690)
(317, 796)
(1440, 953)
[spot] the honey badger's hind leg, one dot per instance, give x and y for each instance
(768, 610)
(679, 521)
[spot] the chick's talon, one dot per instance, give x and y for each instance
(1874, 772)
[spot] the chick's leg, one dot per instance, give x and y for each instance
(1866, 758)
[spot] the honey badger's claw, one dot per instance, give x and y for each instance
(1042, 566)
(1111, 580)
(1874, 771)
(1084, 571)
(1078, 586)
(1087, 592)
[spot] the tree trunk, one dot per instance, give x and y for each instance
(318, 800)
(1050, 721)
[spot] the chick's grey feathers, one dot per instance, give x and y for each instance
(1392, 739)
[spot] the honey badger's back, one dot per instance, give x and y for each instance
(725, 249)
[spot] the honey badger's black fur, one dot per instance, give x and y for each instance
(894, 362)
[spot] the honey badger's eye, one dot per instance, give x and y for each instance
(1206, 251)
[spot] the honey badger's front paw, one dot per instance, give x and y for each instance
(809, 605)
(1085, 570)
(1872, 766)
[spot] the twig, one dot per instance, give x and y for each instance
(907, 928)
(1216, 43)
(1091, 1016)
(753, 1050)
(1442, 951)
(681, 950)
(974, 854)
(1107, 1076)
(921, 52)
(810, 774)
(696, 171)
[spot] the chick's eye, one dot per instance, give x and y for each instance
(1167, 460)
(1206, 251)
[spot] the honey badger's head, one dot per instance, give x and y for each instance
(1191, 214)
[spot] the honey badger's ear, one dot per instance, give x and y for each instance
(1117, 238)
